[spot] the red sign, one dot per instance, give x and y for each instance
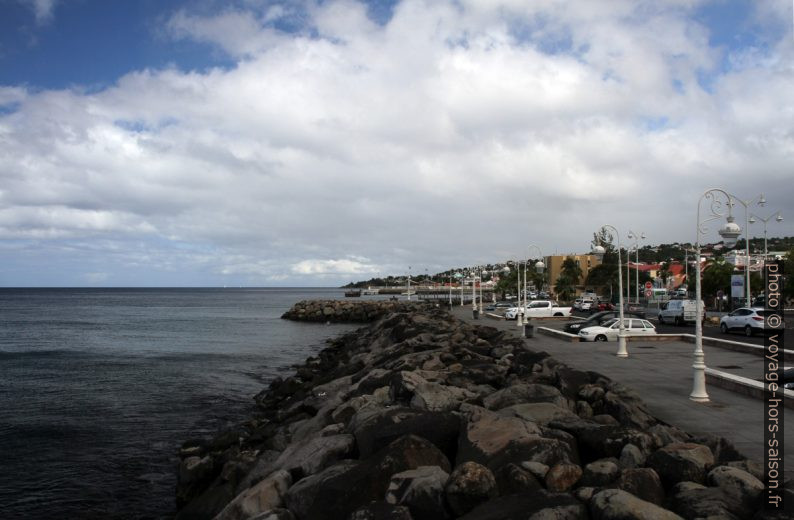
(648, 285)
(648, 293)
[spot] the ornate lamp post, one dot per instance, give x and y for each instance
(760, 200)
(599, 250)
(637, 238)
(778, 218)
(729, 233)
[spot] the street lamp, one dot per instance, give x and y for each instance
(760, 200)
(778, 218)
(730, 233)
(637, 238)
(520, 311)
(599, 250)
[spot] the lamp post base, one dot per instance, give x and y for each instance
(622, 350)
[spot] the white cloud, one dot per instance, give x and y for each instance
(452, 134)
(344, 266)
(42, 9)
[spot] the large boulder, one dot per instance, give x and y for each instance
(643, 483)
(693, 500)
(494, 440)
(562, 477)
(339, 490)
(616, 504)
(264, 496)
(512, 478)
(383, 426)
(421, 490)
(743, 486)
(540, 413)
(525, 393)
(469, 485)
(681, 462)
(537, 505)
(381, 511)
(600, 473)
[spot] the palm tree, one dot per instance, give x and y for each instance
(564, 288)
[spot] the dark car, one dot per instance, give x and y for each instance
(597, 319)
(634, 308)
(788, 379)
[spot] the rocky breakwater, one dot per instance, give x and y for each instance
(343, 311)
(419, 416)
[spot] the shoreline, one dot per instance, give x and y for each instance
(419, 415)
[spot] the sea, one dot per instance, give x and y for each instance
(99, 388)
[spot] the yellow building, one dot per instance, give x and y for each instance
(554, 268)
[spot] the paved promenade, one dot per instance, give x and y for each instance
(661, 372)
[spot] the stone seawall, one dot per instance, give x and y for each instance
(345, 311)
(420, 416)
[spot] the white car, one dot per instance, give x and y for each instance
(512, 313)
(746, 319)
(608, 331)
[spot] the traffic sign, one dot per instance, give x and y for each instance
(648, 293)
(648, 285)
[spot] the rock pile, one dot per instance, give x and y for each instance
(359, 311)
(420, 416)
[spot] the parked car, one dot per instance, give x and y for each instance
(634, 308)
(601, 306)
(595, 319)
(538, 309)
(788, 379)
(680, 312)
(586, 304)
(749, 320)
(609, 330)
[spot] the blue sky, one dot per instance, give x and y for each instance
(166, 142)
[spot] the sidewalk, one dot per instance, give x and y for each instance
(661, 372)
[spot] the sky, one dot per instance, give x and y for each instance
(316, 142)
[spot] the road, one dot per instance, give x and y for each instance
(713, 331)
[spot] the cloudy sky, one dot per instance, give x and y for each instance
(314, 142)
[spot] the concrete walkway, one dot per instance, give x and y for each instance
(661, 372)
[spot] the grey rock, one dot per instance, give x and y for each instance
(539, 413)
(631, 456)
(264, 496)
(525, 393)
(469, 485)
(680, 462)
(616, 504)
(600, 473)
(692, 500)
(643, 483)
(421, 490)
(381, 511)
(738, 483)
(511, 479)
(536, 468)
(523, 506)
(275, 514)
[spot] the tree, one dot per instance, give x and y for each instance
(507, 283)
(716, 276)
(788, 275)
(603, 277)
(571, 270)
(564, 288)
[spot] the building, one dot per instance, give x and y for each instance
(554, 268)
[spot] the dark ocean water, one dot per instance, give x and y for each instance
(99, 387)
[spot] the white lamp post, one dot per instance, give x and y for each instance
(520, 312)
(729, 233)
(760, 200)
(778, 218)
(409, 283)
(599, 250)
(637, 238)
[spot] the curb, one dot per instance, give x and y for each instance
(744, 386)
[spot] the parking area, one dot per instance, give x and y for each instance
(661, 372)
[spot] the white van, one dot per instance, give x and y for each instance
(680, 312)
